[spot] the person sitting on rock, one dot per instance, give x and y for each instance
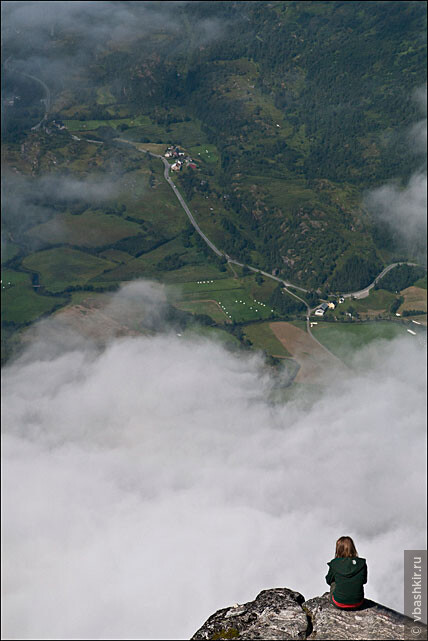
(346, 575)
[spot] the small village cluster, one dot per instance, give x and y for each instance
(321, 310)
(181, 158)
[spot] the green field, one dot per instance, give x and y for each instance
(378, 300)
(201, 307)
(62, 267)
(156, 204)
(262, 337)
(213, 333)
(90, 229)
(239, 306)
(8, 251)
(345, 339)
(184, 274)
(91, 125)
(235, 300)
(207, 153)
(116, 256)
(19, 303)
(422, 282)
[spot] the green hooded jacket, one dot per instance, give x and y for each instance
(349, 576)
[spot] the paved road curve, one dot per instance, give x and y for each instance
(363, 293)
(360, 294)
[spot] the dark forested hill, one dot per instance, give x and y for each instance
(307, 103)
(303, 105)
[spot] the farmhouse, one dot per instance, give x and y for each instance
(176, 166)
(321, 309)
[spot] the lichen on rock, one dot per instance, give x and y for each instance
(281, 613)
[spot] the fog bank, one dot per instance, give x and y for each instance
(150, 483)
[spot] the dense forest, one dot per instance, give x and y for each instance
(400, 277)
(312, 94)
(305, 105)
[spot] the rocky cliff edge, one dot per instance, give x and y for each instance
(284, 614)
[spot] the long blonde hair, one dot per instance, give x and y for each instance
(345, 548)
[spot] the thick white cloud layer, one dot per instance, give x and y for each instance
(404, 209)
(151, 483)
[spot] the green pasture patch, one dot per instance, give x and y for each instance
(187, 134)
(90, 229)
(203, 287)
(378, 299)
(145, 265)
(207, 153)
(213, 333)
(239, 307)
(116, 256)
(235, 301)
(156, 204)
(422, 282)
(262, 337)
(203, 271)
(19, 302)
(344, 339)
(92, 125)
(261, 292)
(62, 267)
(9, 250)
(203, 307)
(240, 299)
(155, 148)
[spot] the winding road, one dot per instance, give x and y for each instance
(359, 294)
(362, 293)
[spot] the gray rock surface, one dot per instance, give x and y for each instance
(373, 621)
(281, 613)
(274, 614)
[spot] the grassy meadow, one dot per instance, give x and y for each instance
(344, 339)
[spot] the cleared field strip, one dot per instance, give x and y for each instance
(262, 337)
(315, 363)
(209, 307)
(414, 298)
